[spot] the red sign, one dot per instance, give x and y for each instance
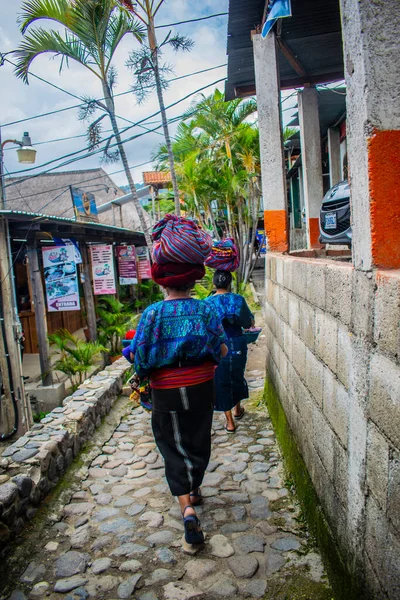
(127, 265)
(143, 262)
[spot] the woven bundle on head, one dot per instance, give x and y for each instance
(175, 275)
(180, 240)
(224, 256)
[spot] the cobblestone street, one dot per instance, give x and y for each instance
(121, 534)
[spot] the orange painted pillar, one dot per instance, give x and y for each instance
(384, 189)
(372, 70)
(311, 158)
(273, 177)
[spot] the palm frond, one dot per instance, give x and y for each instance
(94, 133)
(119, 25)
(180, 43)
(40, 41)
(88, 109)
(60, 11)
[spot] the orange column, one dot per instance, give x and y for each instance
(276, 230)
(384, 187)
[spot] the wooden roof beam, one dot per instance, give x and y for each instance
(290, 57)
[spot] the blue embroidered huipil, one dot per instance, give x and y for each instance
(230, 383)
(172, 331)
(233, 311)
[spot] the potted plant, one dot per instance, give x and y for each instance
(75, 356)
(114, 318)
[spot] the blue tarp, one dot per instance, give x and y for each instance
(278, 10)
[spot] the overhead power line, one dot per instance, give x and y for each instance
(223, 14)
(107, 139)
(73, 106)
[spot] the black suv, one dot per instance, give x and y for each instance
(334, 221)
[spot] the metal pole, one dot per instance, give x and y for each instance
(40, 315)
(10, 314)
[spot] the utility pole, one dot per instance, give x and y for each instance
(10, 331)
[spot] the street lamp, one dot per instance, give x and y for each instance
(26, 155)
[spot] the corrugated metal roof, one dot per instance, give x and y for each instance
(313, 34)
(29, 224)
(21, 214)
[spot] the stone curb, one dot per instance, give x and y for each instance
(34, 464)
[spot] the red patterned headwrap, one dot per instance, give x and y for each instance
(176, 275)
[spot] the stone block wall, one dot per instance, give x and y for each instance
(334, 359)
(32, 465)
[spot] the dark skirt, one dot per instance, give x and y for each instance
(181, 421)
(230, 383)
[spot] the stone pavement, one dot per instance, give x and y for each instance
(122, 531)
(120, 536)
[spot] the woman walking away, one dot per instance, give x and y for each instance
(230, 383)
(178, 343)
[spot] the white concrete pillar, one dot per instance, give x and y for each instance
(372, 69)
(311, 159)
(271, 142)
(335, 169)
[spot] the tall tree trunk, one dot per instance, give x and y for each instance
(254, 204)
(213, 221)
(154, 51)
(139, 209)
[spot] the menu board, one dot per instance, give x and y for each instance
(103, 270)
(127, 265)
(61, 279)
(143, 262)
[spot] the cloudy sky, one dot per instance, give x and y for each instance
(20, 101)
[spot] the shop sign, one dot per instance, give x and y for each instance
(70, 242)
(143, 262)
(103, 270)
(127, 268)
(61, 279)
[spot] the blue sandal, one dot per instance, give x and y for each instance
(196, 493)
(193, 532)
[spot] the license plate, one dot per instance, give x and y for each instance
(330, 221)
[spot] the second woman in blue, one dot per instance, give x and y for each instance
(230, 383)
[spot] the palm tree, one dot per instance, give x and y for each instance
(93, 30)
(150, 74)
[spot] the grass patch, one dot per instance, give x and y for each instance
(298, 587)
(345, 587)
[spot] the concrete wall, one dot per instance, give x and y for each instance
(334, 359)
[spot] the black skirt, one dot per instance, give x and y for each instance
(181, 421)
(230, 383)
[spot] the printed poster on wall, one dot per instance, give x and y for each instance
(61, 279)
(85, 208)
(103, 270)
(127, 265)
(143, 262)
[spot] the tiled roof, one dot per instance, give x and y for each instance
(157, 177)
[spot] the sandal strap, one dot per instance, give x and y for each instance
(185, 509)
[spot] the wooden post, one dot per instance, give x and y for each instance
(40, 315)
(6, 411)
(88, 291)
(11, 333)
